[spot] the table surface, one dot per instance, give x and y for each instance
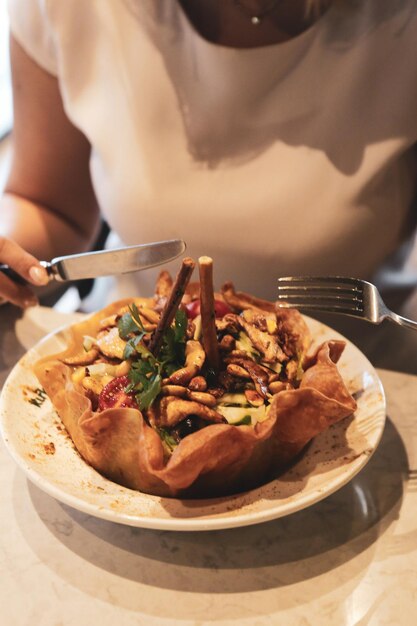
(348, 560)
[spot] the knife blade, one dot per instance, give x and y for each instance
(125, 260)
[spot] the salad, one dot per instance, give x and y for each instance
(194, 393)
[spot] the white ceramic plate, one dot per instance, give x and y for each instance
(38, 442)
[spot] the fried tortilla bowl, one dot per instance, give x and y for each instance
(201, 405)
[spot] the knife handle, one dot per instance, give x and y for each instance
(14, 276)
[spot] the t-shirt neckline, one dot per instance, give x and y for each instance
(283, 45)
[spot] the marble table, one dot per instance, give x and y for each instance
(348, 560)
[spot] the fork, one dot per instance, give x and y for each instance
(338, 294)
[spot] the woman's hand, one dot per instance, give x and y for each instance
(27, 266)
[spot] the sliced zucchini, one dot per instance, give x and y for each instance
(244, 343)
(236, 414)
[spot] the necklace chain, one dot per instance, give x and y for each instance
(257, 18)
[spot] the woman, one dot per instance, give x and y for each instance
(276, 136)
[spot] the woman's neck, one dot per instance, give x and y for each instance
(230, 23)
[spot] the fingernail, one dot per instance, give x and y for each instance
(29, 302)
(38, 275)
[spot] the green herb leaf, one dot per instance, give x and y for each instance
(131, 348)
(135, 314)
(180, 328)
(126, 326)
(167, 438)
(141, 372)
(145, 353)
(129, 351)
(148, 395)
(131, 323)
(167, 351)
(170, 368)
(172, 352)
(146, 372)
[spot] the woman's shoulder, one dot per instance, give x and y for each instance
(30, 26)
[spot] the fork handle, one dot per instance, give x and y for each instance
(402, 321)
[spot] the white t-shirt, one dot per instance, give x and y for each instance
(293, 158)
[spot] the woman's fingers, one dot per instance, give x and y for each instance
(27, 266)
(16, 294)
(22, 262)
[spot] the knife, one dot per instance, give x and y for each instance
(107, 262)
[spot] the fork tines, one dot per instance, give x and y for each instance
(336, 294)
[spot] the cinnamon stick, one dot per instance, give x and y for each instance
(172, 304)
(208, 326)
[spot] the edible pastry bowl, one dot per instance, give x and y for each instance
(125, 445)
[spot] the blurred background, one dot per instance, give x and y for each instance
(5, 91)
